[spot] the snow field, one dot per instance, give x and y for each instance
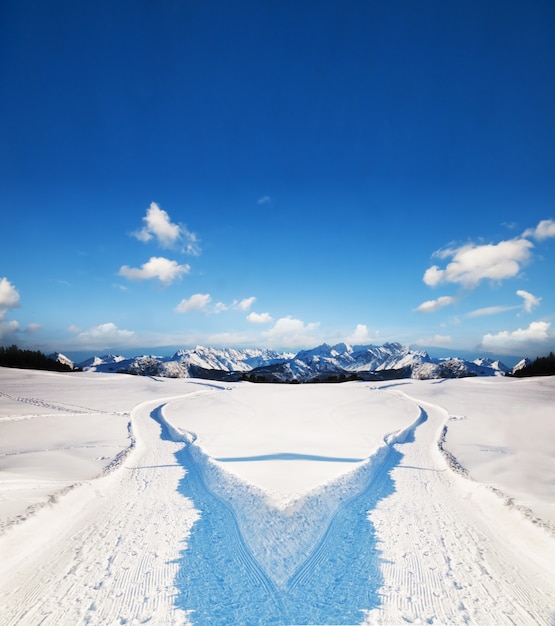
(325, 504)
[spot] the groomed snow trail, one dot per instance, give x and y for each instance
(160, 541)
(453, 552)
(109, 556)
(222, 580)
(416, 544)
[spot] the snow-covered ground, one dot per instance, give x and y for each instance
(129, 499)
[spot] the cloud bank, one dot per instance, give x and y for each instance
(533, 340)
(105, 335)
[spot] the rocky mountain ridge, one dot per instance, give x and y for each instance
(322, 363)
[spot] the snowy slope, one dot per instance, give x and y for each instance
(295, 504)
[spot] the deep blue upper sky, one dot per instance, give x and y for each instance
(319, 154)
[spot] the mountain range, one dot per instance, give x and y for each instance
(322, 363)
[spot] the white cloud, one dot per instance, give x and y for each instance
(245, 304)
(491, 310)
(259, 318)
(165, 270)
(200, 302)
(437, 341)
(472, 263)
(530, 301)
(7, 329)
(197, 302)
(224, 339)
(360, 335)
(433, 305)
(159, 225)
(290, 332)
(264, 200)
(105, 335)
(9, 297)
(544, 230)
(535, 337)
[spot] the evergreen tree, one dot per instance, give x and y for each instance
(13, 356)
(542, 366)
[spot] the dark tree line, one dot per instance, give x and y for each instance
(542, 366)
(30, 359)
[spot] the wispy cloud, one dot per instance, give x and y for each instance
(159, 226)
(165, 270)
(491, 310)
(264, 200)
(522, 340)
(433, 305)
(202, 302)
(530, 301)
(197, 302)
(243, 305)
(259, 318)
(437, 341)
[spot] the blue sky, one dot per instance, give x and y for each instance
(277, 174)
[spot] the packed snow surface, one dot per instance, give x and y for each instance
(127, 500)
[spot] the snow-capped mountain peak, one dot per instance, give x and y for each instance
(324, 362)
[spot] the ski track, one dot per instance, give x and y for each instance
(155, 543)
(428, 579)
(111, 563)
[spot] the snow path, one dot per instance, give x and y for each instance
(455, 553)
(109, 556)
(171, 537)
(415, 544)
(313, 563)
